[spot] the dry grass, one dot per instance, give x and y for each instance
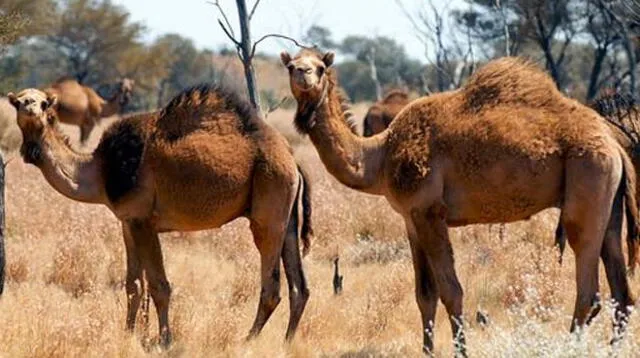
(64, 295)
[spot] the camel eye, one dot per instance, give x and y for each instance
(43, 105)
(290, 67)
(320, 71)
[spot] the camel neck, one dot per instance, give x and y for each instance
(113, 106)
(74, 175)
(355, 161)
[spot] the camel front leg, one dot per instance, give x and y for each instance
(433, 234)
(133, 281)
(150, 254)
(426, 289)
(85, 130)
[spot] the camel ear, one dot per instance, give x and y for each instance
(13, 99)
(285, 58)
(52, 100)
(328, 58)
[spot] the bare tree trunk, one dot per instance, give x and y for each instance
(374, 72)
(598, 60)
(161, 90)
(2, 252)
(247, 55)
(505, 25)
(629, 48)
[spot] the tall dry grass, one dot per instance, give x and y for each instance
(65, 296)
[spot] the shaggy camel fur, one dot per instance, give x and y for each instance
(623, 117)
(204, 160)
(502, 148)
(381, 113)
(83, 107)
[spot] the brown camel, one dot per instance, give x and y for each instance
(204, 160)
(83, 107)
(500, 149)
(381, 113)
(622, 115)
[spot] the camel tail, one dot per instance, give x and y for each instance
(628, 184)
(305, 198)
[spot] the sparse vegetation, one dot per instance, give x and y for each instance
(517, 282)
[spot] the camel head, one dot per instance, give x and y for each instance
(35, 111)
(125, 90)
(307, 73)
(309, 77)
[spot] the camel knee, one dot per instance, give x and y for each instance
(270, 299)
(133, 286)
(452, 297)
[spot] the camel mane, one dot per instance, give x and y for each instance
(615, 107)
(337, 100)
(207, 98)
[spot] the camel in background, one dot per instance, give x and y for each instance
(502, 148)
(204, 160)
(82, 106)
(381, 113)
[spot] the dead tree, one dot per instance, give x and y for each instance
(454, 59)
(2, 251)
(505, 26)
(371, 57)
(245, 48)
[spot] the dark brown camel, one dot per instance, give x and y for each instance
(207, 158)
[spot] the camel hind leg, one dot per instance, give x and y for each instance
(292, 261)
(272, 200)
(613, 260)
(592, 183)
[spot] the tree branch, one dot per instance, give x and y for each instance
(255, 44)
(229, 32)
(253, 9)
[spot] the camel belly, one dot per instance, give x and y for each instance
(203, 183)
(505, 191)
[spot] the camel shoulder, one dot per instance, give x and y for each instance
(121, 151)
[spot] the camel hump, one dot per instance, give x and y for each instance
(195, 107)
(396, 96)
(508, 81)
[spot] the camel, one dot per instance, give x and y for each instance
(381, 113)
(502, 148)
(623, 117)
(204, 160)
(82, 106)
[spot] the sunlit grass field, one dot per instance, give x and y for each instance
(65, 296)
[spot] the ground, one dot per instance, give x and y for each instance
(65, 297)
